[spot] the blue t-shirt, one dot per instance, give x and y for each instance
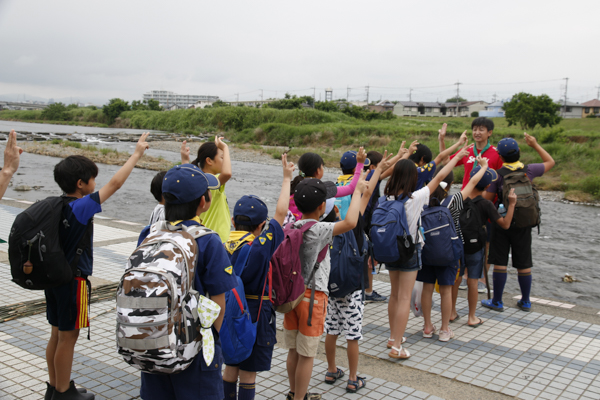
(79, 214)
(211, 277)
(425, 174)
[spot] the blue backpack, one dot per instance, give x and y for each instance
(391, 238)
(443, 247)
(347, 264)
(238, 332)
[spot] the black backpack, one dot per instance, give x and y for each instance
(472, 226)
(37, 259)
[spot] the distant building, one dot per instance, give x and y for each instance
(591, 107)
(571, 110)
(203, 103)
(382, 106)
(167, 99)
(465, 108)
(493, 110)
(406, 109)
(420, 109)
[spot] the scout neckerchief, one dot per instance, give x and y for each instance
(196, 219)
(237, 239)
(514, 166)
(476, 154)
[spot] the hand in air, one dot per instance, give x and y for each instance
(185, 153)
(483, 161)
(442, 132)
(219, 142)
(463, 138)
(12, 153)
(512, 197)
(361, 185)
(463, 152)
(361, 156)
(413, 147)
(530, 140)
(288, 167)
(385, 162)
(142, 145)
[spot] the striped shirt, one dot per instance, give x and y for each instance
(455, 206)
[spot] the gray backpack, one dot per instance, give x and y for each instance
(158, 328)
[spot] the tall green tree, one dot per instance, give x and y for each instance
(55, 112)
(114, 108)
(528, 110)
(153, 105)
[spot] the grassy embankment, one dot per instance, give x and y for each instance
(574, 144)
(82, 116)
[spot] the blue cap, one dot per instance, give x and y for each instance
(507, 147)
(187, 182)
(251, 207)
(489, 177)
(348, 160)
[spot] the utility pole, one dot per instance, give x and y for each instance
(566, 86)
(457, 95)
(261, 95)
(314, 95)
(237, 96)
(410, 94)
(348, 93)
(367, 94)
(494, 98)
(598, 95)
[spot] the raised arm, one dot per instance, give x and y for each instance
(185, 153)
(225, 174)
(352, 215)
(547, 159)
(12, 157)
(383, 165)
(283, 202)
(122, 174)
(443, 156)
(476, 178)
(401, 155)
(446, 170)
(347, 190)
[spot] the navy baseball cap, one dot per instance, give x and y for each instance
(251, 207)
(489, 177)
(348, 160)
(507, 147)
(310, 193)
(187, 182)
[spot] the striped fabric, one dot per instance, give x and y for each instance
(455, 206)
(82, 303)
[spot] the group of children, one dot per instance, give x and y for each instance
(194, 194)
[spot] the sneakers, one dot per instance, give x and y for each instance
(463, 284)
(493, 305)
(72, 394)
(307, 396)
(524, 305)
(50, 391)
(481, 288)
(446, 335)
(374, 296)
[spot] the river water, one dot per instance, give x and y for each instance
(569, 241)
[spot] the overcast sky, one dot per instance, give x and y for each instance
(94, 51)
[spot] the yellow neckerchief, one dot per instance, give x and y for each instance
(344, 180)
(196, 218)
(237, 239)
(514, 166)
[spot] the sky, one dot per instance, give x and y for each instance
(94, 51)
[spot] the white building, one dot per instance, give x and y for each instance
(166, 99)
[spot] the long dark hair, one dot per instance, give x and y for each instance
(207, 150)
(308, 164)
(403, 180)
(440, 194)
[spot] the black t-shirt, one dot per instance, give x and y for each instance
(486, 209)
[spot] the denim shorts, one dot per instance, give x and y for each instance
(414, 264)
(474, 264)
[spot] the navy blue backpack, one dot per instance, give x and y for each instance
(443, 247)
(347, 264)
(238, 332)
(391, 238)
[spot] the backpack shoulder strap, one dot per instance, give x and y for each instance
(83, 243)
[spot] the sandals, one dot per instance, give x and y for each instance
(430, 334)
(399, 356)
(390, 342)
(335, 375)
(359, 383)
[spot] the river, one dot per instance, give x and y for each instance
(569, 241)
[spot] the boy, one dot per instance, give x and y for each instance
(474, 262)
(67, 305)
(345, 314)
(187, 193)
(12, 155)
(515, 240)
(158, 214)
(301, 339)
(252, 228)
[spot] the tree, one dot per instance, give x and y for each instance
(329, 106)
(153, 105)
(453, 100)
(138, 105)
(528, 111)
(290, 102)
(72, 106)
(150, 104)
(114, 108)
(220, 103)
(55, 112)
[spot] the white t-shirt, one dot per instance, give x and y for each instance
(158, 214)
(414, 208)
(315, 239)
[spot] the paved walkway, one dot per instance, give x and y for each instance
(513, 354)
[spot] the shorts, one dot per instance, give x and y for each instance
(67, 306)
(345, 315)
(297, 334)
(443, 275)
(474, 264)
(414, 264)
(514, 240)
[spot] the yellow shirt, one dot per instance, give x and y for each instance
(218, 217)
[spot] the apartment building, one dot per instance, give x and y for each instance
(168, 99)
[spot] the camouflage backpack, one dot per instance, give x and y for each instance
(158, 330)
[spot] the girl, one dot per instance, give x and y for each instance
(213, 158)
(445, 275)
(402, 184)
